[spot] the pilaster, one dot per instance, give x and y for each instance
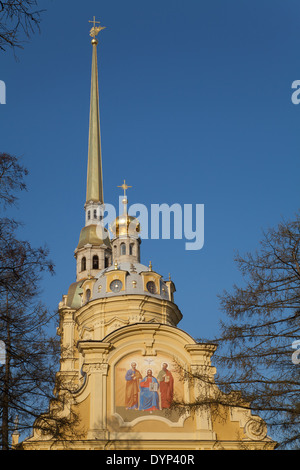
(95, 365)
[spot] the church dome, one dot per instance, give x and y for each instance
(130, 278)
(93, 235)
(125, 225)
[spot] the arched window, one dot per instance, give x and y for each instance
(89, 215)
(83, 264)
(95, 262)
(95, 214)
(87, 295)
(131, 249)
(123, 249)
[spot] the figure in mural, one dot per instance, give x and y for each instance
(149, 399)
(132, 377)
(166, 386)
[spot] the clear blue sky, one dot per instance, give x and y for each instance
(195, 103)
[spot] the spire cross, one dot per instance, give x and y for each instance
(94, 21)
(124, 187)
(95, 29)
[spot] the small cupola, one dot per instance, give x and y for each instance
(125, 235)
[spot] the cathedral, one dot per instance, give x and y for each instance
(124, 360)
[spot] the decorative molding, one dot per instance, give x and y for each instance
(256, 429)
(254, 426)
(101, 368)
(171, 424)
(149, 350)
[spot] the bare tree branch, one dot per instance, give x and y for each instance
(18, 18)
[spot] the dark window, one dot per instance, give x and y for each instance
(123, 249)
(89, 215)
(83, 264)
(95, 262)
(95, 214)
(106, 262)
(131, 249)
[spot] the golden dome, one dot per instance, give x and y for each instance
(125, 225)
(93, 235)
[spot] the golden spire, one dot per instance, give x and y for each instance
(94, 174)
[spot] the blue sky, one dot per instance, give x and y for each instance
(195, 104)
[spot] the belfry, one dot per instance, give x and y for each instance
(122, 353)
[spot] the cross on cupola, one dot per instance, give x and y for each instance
(124, 187)
(125, 200)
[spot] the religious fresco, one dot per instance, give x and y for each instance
(147, 386)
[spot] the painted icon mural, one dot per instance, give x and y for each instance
(149, 399)
(166, 382)
(147, 385)
(132, 379)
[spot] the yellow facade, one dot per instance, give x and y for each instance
(124, 361)
(100, 342)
